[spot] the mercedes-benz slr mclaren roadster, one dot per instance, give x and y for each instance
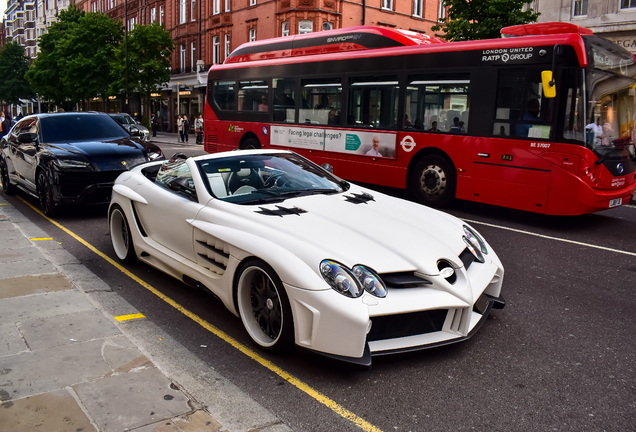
(305, 258)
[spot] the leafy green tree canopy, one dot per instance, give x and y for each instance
(13, 68)
(482, 19)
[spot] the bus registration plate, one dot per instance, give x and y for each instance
(615, 202)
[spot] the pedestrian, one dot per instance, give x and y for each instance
(6, 122)
(186, 127)
(180, 127)
(198, 128)
(153, 125)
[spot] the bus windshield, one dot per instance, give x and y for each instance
(600, 109)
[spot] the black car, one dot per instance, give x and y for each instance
(131, 125)
(69, 158)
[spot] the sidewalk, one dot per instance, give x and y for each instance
(66, 363)
(173, 138)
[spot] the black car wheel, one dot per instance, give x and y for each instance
(250, 144)
(45, 194)
(264, 306)
(120, 236)
(433, 181)
(5, 181)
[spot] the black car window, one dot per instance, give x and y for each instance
(79, 127)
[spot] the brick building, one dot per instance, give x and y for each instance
(206, 32)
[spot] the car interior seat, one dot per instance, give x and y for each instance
(243, 181)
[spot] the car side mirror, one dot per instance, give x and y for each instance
(327, 167)
(27, 137)
(135, 131)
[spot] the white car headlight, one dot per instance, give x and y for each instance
(475, 244)
(370, 280)
(340, 278)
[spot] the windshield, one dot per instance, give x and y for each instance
(261, 178)
(79, 127)
(600, 109)
(124, 119)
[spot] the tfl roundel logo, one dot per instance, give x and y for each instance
(620, 168)
(265, 130)
(408, 143)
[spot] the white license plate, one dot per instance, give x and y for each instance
(615, 202)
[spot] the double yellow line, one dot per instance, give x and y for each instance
(358, 421)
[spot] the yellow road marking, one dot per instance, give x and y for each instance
(42, 238)
(331, 404)
(5, 204)
(121, 318)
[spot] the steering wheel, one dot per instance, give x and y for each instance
(275, 180)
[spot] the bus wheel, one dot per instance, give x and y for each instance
(250, 144)
(433, 181)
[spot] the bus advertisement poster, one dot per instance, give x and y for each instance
(307, 138)
(376, 144)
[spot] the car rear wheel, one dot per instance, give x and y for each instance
(5, 181)
(120, 236)
(264, 306)
(433, 181)
(45, 195)
(250, 144)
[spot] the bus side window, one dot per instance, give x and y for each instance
(224, 95)
(373, 101)
(284, 99)
(438, 104)
(321, 102)
(252, 96)
(522, 111)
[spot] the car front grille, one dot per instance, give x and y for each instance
(409, 324)
(75, 183)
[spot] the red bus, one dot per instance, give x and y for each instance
(543, 122)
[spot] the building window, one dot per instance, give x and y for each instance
(387, 4)
(192, 51)
(227, 5)
(112, 4)
(216, 7)
(252, 2)
(183, 58)
(161, 15)
(580, 7)
(216, 50)
(153, 15)
(418, 8)
(306, 26)
(227, 45)
(442, 10)
(131, 23)
(627, 4)
(285, 29)
(182, 11)
(252, 34)
(193, 4)
(327, 25)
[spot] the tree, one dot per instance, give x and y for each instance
(13, 68)
(86, 53)
(482, 19)
(149, 51)
(45, 75)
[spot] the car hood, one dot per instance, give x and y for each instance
(104, 155)
(387, 234)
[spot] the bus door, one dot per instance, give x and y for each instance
(507, 168)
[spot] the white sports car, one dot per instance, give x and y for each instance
(305, 258)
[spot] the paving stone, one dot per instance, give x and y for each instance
(55, 411)
(13, 239)
(66, 329)
(26, 268)
(18, 309)
(27, 285)
(108, 400)
(10, 340)
(199, 421)
(21, 254)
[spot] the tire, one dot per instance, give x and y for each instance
(250, 144)
(45, 195)
(120, 236)
(264, 306)
(5, 181)
(433, 181)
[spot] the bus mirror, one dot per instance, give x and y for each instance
(549, 86)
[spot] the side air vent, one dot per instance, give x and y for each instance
(467, 258)
(404, 280)
(362, 198)
(212, 253)
(281, 211)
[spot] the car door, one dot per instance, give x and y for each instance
(23, 154)
(165, 217)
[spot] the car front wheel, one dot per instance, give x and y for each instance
(264, 306)
(120, 236)
(5, 181)
(45, 195)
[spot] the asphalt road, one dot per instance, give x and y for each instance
(561, 355)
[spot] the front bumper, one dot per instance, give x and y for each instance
(74, 188)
